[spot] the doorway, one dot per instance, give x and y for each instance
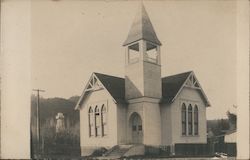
(136, 127)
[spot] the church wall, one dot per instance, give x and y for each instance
(134, 86)
(152, 124)
(122, 123)
(143, 79)
(138, 108)
(152, 80)
(98, 98)
(149, 112)
(166, 122)
(190, 96)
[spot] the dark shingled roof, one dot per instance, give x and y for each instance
(170, 86)
(115, 86)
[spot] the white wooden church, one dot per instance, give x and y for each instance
(143, 108)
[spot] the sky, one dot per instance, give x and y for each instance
(72, 39)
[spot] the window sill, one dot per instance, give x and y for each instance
(105, 136)
(190, 135)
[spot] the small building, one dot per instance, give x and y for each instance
(142, 107)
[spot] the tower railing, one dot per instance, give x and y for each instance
(153, 60)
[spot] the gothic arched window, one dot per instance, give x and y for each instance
(97, 122)
(196, 120)
(184, 119)
(91, 122)
(104, 120)
(190, 120)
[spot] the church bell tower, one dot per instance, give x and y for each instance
(143, 60)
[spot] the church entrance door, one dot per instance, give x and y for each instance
(137, 132)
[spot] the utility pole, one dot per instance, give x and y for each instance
(38, 118)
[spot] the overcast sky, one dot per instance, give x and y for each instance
(72, 39)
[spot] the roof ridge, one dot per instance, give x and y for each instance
(178, 74)
(161, 77)
(108, 75)
(171, 86)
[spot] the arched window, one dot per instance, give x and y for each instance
(190, 120)
(196, 120)
(184, 119)
(97, 122)
(91, 122)
(104, 120)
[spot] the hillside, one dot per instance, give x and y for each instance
(48, 110)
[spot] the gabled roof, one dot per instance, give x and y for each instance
(142, 28)
(171, 87)
(114, 85)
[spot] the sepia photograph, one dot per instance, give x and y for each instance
(124, 79)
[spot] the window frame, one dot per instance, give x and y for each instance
(97, 122)
(184, 119)
(97, 119)
(196, 120)
(90, 121)
(104, 123)
(190, 120)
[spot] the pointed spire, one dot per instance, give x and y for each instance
(141, 28)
